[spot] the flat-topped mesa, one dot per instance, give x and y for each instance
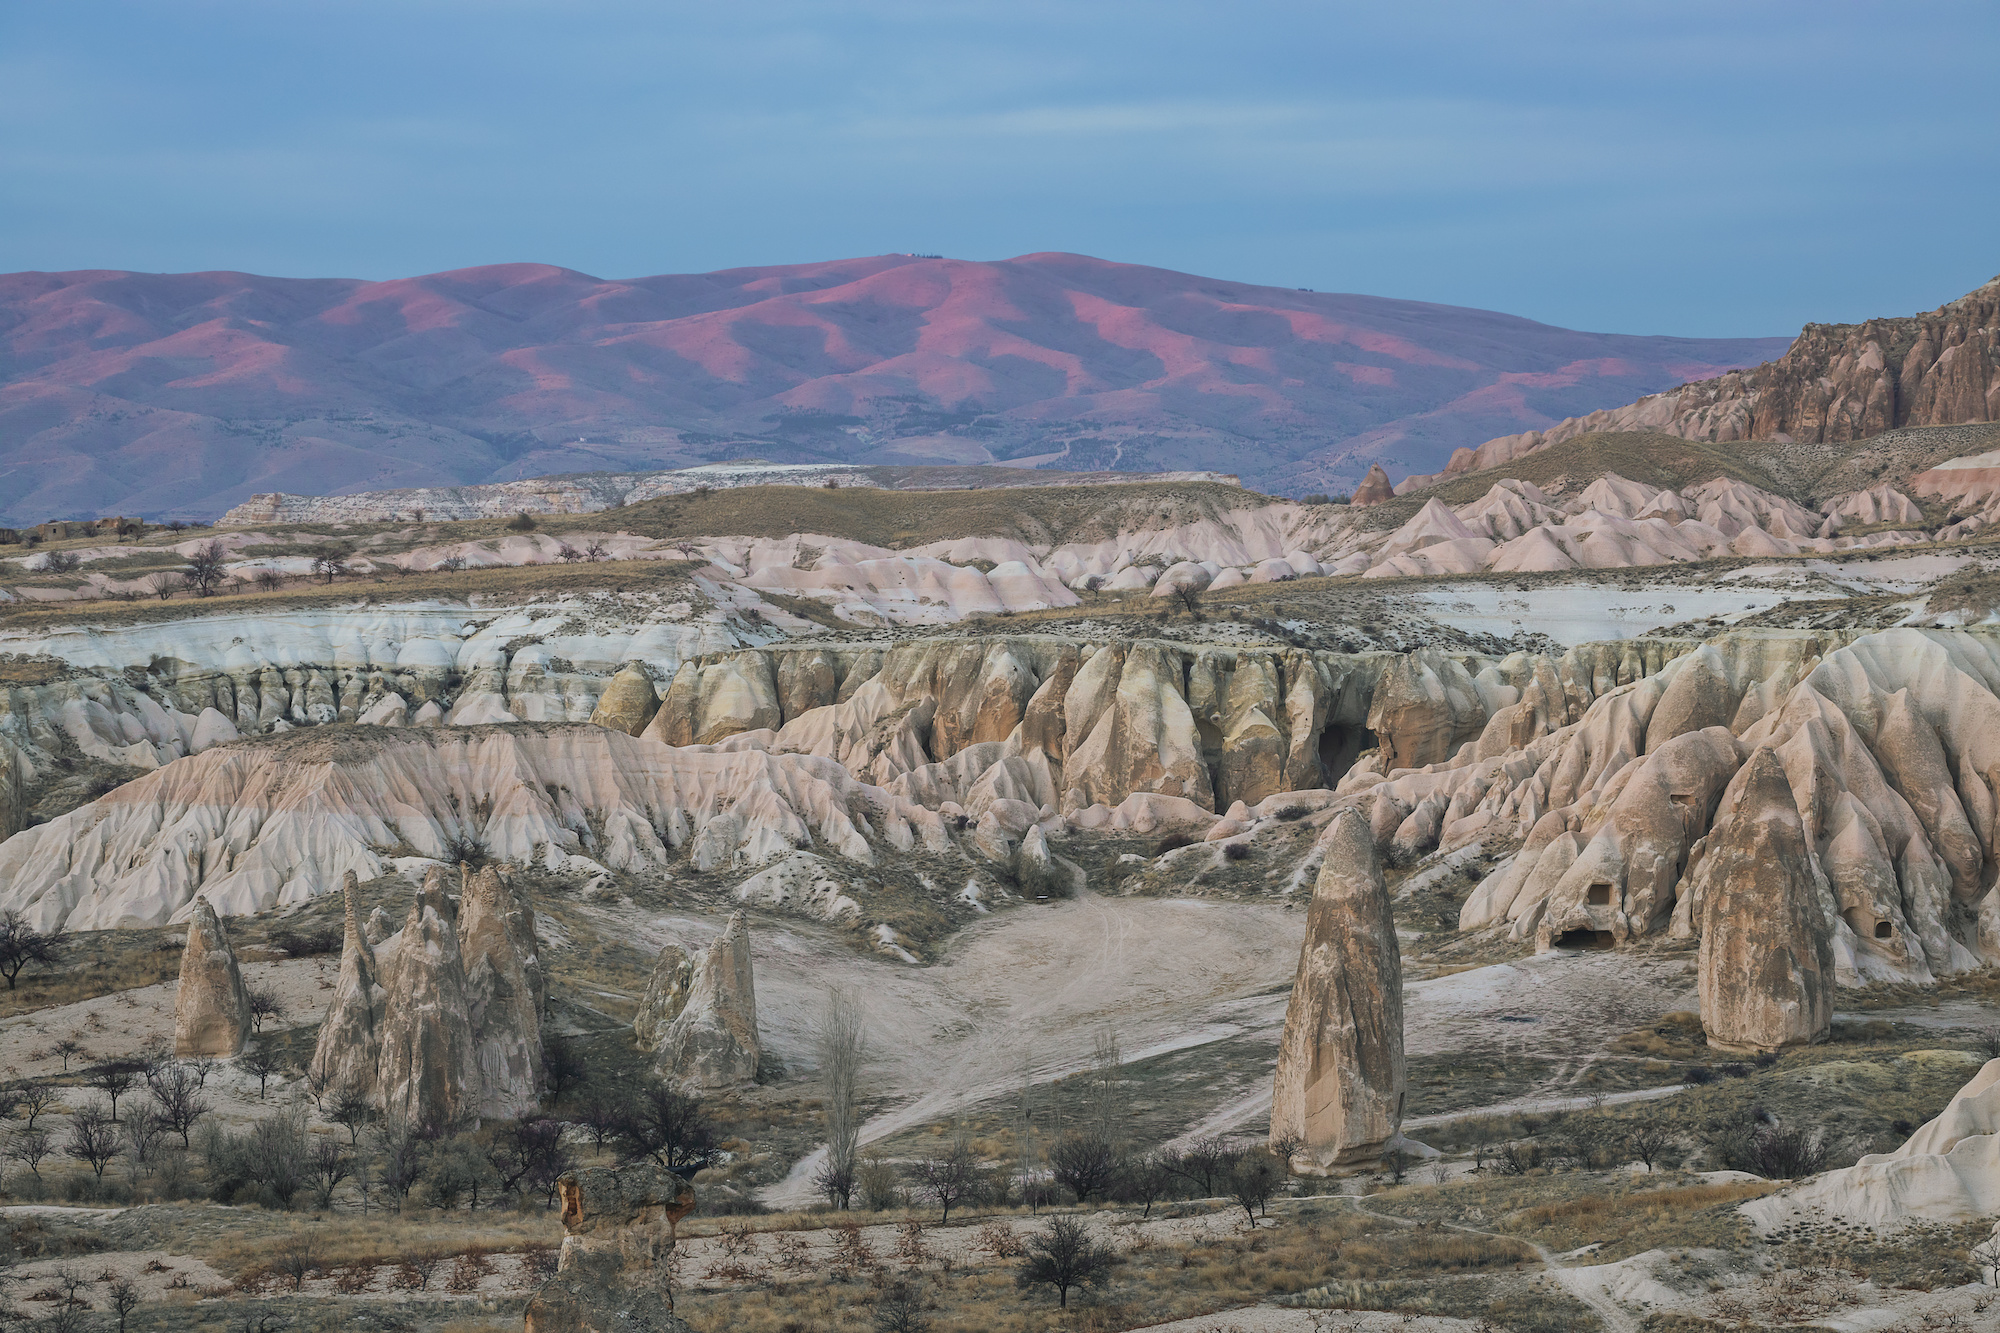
(713, 1042)
(1766, 967)
(349, 1049)
(504, 993)
(211, 1007)
(1338, 1091)
(429, 1075)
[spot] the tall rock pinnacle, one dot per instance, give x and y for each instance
(1340, 1080)
(1766, 971)
(429, 1073)
(503, 988)
(713, 1041)
(211, 1008)
(350, 1039)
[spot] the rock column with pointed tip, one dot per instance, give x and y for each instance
(429, 1073)
(211, 1007)
(713, 1043)
(1766, 969)
(1338, 1091)
(350, 1047)
(502, 987)
(666, 995)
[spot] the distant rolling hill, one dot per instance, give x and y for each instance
(183, 394)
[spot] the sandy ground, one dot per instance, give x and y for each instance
(1271, 1319)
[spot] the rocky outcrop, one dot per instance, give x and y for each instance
(713, 1043)
(667, 992)
(211, 1008)
(1374, 488)
(429, 1077)
(1838, 382)
(504, 992)
(1338, 1091)
(1766, 967)
(349, 1050)
(628, 702)
(1948, 1171)
(618, 1225)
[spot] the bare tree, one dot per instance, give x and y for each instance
(840, 1047)
(268, 579)
(949, 1178)
(1649, 1141)
(1187, 598)
(1253, 1178)
(351, 1112)
(1064, 1257)
(36, 1099)
(262, 1061)
(177, 1093)
(21, 944)
(297, 1258)
(162, 585)
(1084, 1162)
(61, 562)
(1107, 1086)
(597, 550)
(114, 1078)
(68, 1049)
(264, 1003)
(29, 1147)
(123, 1296)
(143, 1129)
(207, 568)
(94, 1138)
(329, 563)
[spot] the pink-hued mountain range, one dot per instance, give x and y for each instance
(182, 394)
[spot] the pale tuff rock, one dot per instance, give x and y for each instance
(1142, 737)
(1425, 706)
(1340, 1079)
(618, 1224)
(211, 1008)
(429, 1077)
(1948, 1171)
(628, 702)
(1766, 969)
(380, 926)
(504, 992)
(666, 995)
(713, 1042)
(349, 1049)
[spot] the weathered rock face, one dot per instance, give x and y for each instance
(1837, 382)
(211, 1008)
(1766, 970)
(1374, 487)
(504, 992)
(628, 702)
(713, 1042)
(1340, 1079)
(349, 1049)
(666, 995)
(619, 1224)
(429, 1074)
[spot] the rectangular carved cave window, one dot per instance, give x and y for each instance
(1599, 895)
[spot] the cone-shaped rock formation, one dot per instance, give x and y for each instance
(429, 1074)
(1766, 944)
(503, 988)
(713, 1042)
(666, 995)
(350, 1042)
(211, 1008)
(1340, 1080)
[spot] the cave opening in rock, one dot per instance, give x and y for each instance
(1585, 939)
(1598, 895)
(1883, 930)
(1339, 747)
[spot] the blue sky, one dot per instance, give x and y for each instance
(1687, 168)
